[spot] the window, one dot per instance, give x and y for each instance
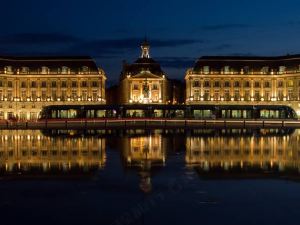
(135, 87)
(74, 83)
(53, 84)
(44, 84)
(9, 84)
(155, 87)
(45, 70)
(256, 96)
(63, 95)
(247, 84)
(290, 95)
(280, 95)
(54, 96)
(217, 84)
(74, 94)
(265, 70)
(64, 70)
(282, 69)
(23, 84)
(23, 95)
(83, 84)
(267, 84)
(290, 83)
(9, 95)
(280, 83)
(236, 83)
(217, 96)
(267, 96)
(1, 84)
(226, 95)
(25, 70)
(236, 95)
(95, 84)
(44, 95)
(196, 83)
(227, 84)
(64, 84)
(206, 84)
(206, 69)
(247, 96)
(84, 95)
(196, 95)
(33, 84)
(256, 84)
(85, 70)
(206, 95)
(94, 95)
(33, 95)
(226, 69)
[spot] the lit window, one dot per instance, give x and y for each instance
(206, 69)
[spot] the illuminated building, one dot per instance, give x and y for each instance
(31, 150)
(242, 150)
(29, 83)
(143, 82)
(245, 80)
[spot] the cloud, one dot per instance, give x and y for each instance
(225, 26)
(176, 62)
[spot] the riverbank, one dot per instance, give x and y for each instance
(148, 124)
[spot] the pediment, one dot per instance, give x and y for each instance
(146, 74)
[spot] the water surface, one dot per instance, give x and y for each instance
(150, 177)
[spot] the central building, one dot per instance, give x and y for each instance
(143, 82)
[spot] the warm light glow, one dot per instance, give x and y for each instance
(252, 99)
(232, 99)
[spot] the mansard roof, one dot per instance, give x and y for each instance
(74, 63)
(251, 63)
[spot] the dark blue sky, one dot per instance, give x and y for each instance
(179, 31)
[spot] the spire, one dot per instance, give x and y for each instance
(145, 49)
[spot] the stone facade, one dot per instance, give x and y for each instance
(143, 82)
(28, 84)
(245, 80)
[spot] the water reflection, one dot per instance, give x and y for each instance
(245, 153)
(31, 152)
(224, 151)
(144, 154)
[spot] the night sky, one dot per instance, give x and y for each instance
(178, 31)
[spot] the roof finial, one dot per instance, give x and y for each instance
(145, 49)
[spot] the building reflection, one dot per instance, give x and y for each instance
(32, 152)
(265, 150)
(145, 154)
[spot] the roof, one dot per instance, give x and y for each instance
(140, 65)
(74, 63)
(250, 63)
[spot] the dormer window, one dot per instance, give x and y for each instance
(65, 70)
(8, 70)
(85, 70)
(25, 70)
(282, 69)
(246, 70)
(226, 69)
(45, 70)
(265, 70)
(206, 69)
